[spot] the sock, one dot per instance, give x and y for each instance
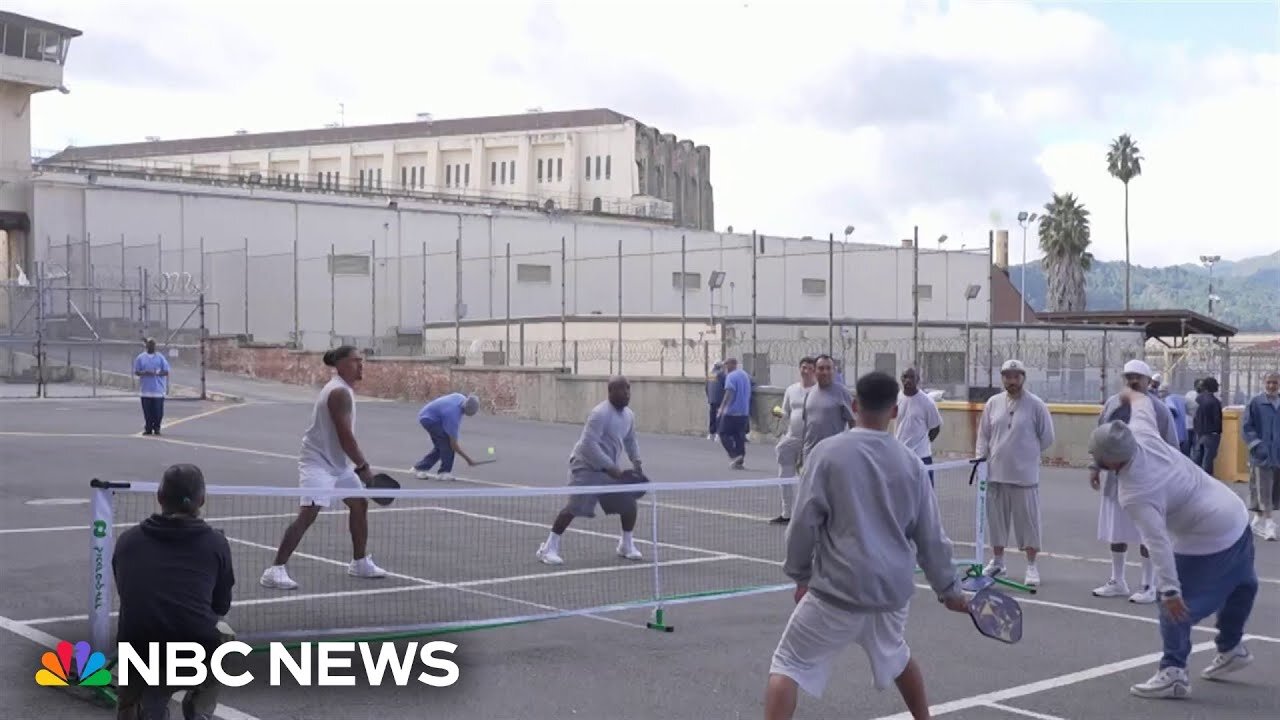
(626, 539)
(1148, 573)
(1117, 566)
(553, 542)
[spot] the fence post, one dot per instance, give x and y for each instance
(373, 292)
(204, 334)
(755, 246)
(40, 389)
(575, 357)
(563, 335)
(507, 325)
(619, 309)
(333, 327)
(831, 295)
(246, 286)
(424, 294)
(684, 291)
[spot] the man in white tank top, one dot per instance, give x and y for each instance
(331, 458)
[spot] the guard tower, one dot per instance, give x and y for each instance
(32, 55)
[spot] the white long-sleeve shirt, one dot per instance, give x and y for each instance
(1012, 434)
(607, 432)
(1176, 506)
(793, 410)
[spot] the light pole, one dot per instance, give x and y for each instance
(848, 230)
(1024, 220)
(970, 293)
(1208, 261)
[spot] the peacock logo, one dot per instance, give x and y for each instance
(90, 667)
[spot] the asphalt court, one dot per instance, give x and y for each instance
(1077, 659)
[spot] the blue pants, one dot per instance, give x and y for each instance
(733, 435)
(1224, 583)
(441, 451)
(928, 461)
(152, 413)
(1206, 451)
(712, 425)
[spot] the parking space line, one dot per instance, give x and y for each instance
(1020, 711)
(1039, 686)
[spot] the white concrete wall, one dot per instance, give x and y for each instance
(165, 228)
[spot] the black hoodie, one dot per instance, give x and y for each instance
(174, 578)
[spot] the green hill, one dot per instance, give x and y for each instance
(1249, 289)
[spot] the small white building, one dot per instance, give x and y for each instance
(594, 161)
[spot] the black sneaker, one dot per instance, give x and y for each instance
(780, 520)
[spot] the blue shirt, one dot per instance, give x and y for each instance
(445, 411)
(740, 383)
(1178, 407)
(152, 385)
(1260, 430)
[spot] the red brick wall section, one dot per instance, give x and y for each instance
(410, 379)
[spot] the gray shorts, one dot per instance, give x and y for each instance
(1264, 488)
(585, 505)
(1016, 505)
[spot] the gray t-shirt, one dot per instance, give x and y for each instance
(827, 411)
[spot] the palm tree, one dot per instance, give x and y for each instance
(1064, 240)
(1125, 163)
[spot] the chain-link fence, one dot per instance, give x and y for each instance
(73, 328)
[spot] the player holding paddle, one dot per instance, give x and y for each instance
(865, 514)
(1197, 530)
(331, 458)
(610, 428)
(442, 419)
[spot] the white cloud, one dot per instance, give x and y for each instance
(883, 115)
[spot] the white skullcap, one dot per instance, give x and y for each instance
(1157, 377)
(471, 405)
(1014, 365)
(1112, 443)
(1137, 367)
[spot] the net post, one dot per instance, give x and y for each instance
(658, 620)
(101, 544)
(980, 501)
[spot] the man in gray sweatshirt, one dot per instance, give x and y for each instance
(610, 429)
(865, 516)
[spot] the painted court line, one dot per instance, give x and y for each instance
(419, 587)
(39, 637)
(1025, 713)
(1040, 686)
(433, 583)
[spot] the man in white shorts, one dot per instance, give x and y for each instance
(1114, 525)
(610, 429)
(919, 420)
(1014, 431)
(865, 515)
(788, 448)
(331, 458)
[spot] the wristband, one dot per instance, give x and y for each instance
(361, 468)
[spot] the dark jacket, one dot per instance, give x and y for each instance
(1208, 418)
(715, 388)
(1260, 430)
(174, 579)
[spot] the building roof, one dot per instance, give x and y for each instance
(1158, 323)
(341, 135)
(37, 24)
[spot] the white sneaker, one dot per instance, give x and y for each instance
(1145, 596)
(365, 568)
(1269, 530)
(1112, 588)
(1033, 576)
(549, 556)
(993, 568)
(423, 474)
(630, 553)
(1229, 662)
(277, 577)
(1170, 682)
(737, 463)
(447, 477)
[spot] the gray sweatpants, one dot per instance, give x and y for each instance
(1264, 488)
(1014, 505)
(788, 450)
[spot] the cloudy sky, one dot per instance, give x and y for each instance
(876, 113)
